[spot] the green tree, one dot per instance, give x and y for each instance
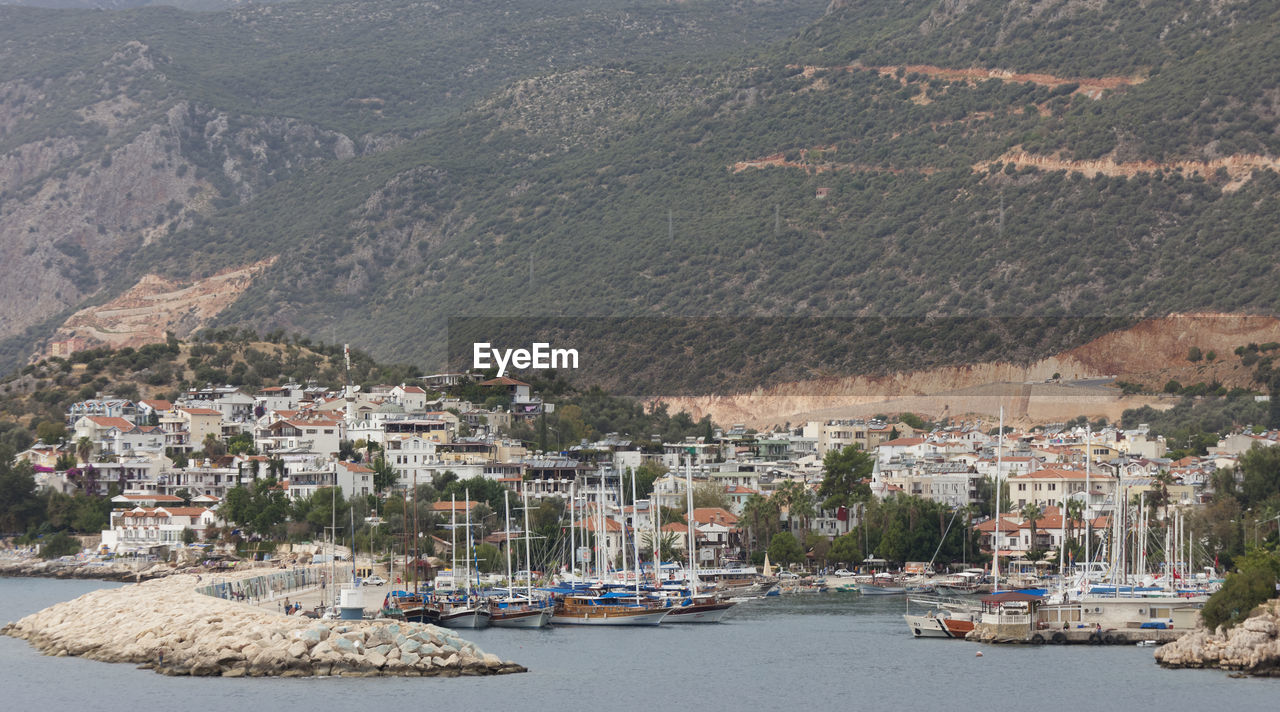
(667, 546)
(762, 517)
(1260, 475)
(1031, 513)
(645, 475)
(19, 504)
(59, 544)
(489, 559)
(847, 549)
(384, 475)
(1254, 583)
(51, 432)
(188, 536)
(84, 448)
(214, 448)
(784, 550)
(843, 475)
(710, 495)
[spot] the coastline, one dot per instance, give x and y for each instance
(1251, 648)
(164, 624)
(105, 571)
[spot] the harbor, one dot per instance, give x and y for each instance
(832, 651)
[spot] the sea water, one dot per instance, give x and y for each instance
(817, 652)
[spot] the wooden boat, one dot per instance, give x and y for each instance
(706, 610)
(465, 615)
(593, 610)
(411, 607)
(518, 613)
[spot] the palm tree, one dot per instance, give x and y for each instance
(1158, 496)
(794, 497)
(1031, 512)
(84, 448)
(1074, 513)
(763, 515)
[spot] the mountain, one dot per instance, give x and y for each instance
(885, 164)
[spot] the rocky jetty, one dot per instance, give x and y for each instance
(1251, 648)
(105, 571)
(165, 625)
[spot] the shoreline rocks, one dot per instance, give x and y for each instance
(126, 573)
(1251, 648)
(166, 626)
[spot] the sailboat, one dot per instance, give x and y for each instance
(514, 611)
(696, 609)
(411, 605)
(462, 611)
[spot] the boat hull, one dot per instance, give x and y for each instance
(610, 618)
(469, 618)
(699, 613)
(520, 619)
(868, 589)
(936, 626)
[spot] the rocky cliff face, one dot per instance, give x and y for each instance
(93, 172)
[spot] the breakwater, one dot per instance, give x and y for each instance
(125, 570)
(166, 625)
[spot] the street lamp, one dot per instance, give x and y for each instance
(1257, 542)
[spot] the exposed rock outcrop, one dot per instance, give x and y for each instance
(109, 571)
(167, 626)
(1252, 648)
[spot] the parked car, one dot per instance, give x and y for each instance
(374, 580)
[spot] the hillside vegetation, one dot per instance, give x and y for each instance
(417, 163)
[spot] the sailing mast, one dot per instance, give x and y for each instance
(1088, 500)
(995, 559)
(622, 512)
(693, 540)
(635, 538)
(466, 555)
(573, 525)
(528, 558)
(602, 541)
(506, 503)
(656, 503)
(453, 542)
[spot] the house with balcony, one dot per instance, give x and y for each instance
(141, 528)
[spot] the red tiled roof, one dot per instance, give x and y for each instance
(902, 442)
(454, 506)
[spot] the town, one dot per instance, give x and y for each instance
(170, 469)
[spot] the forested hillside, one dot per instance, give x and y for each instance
(896, 160)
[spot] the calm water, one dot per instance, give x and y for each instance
(820, 652)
